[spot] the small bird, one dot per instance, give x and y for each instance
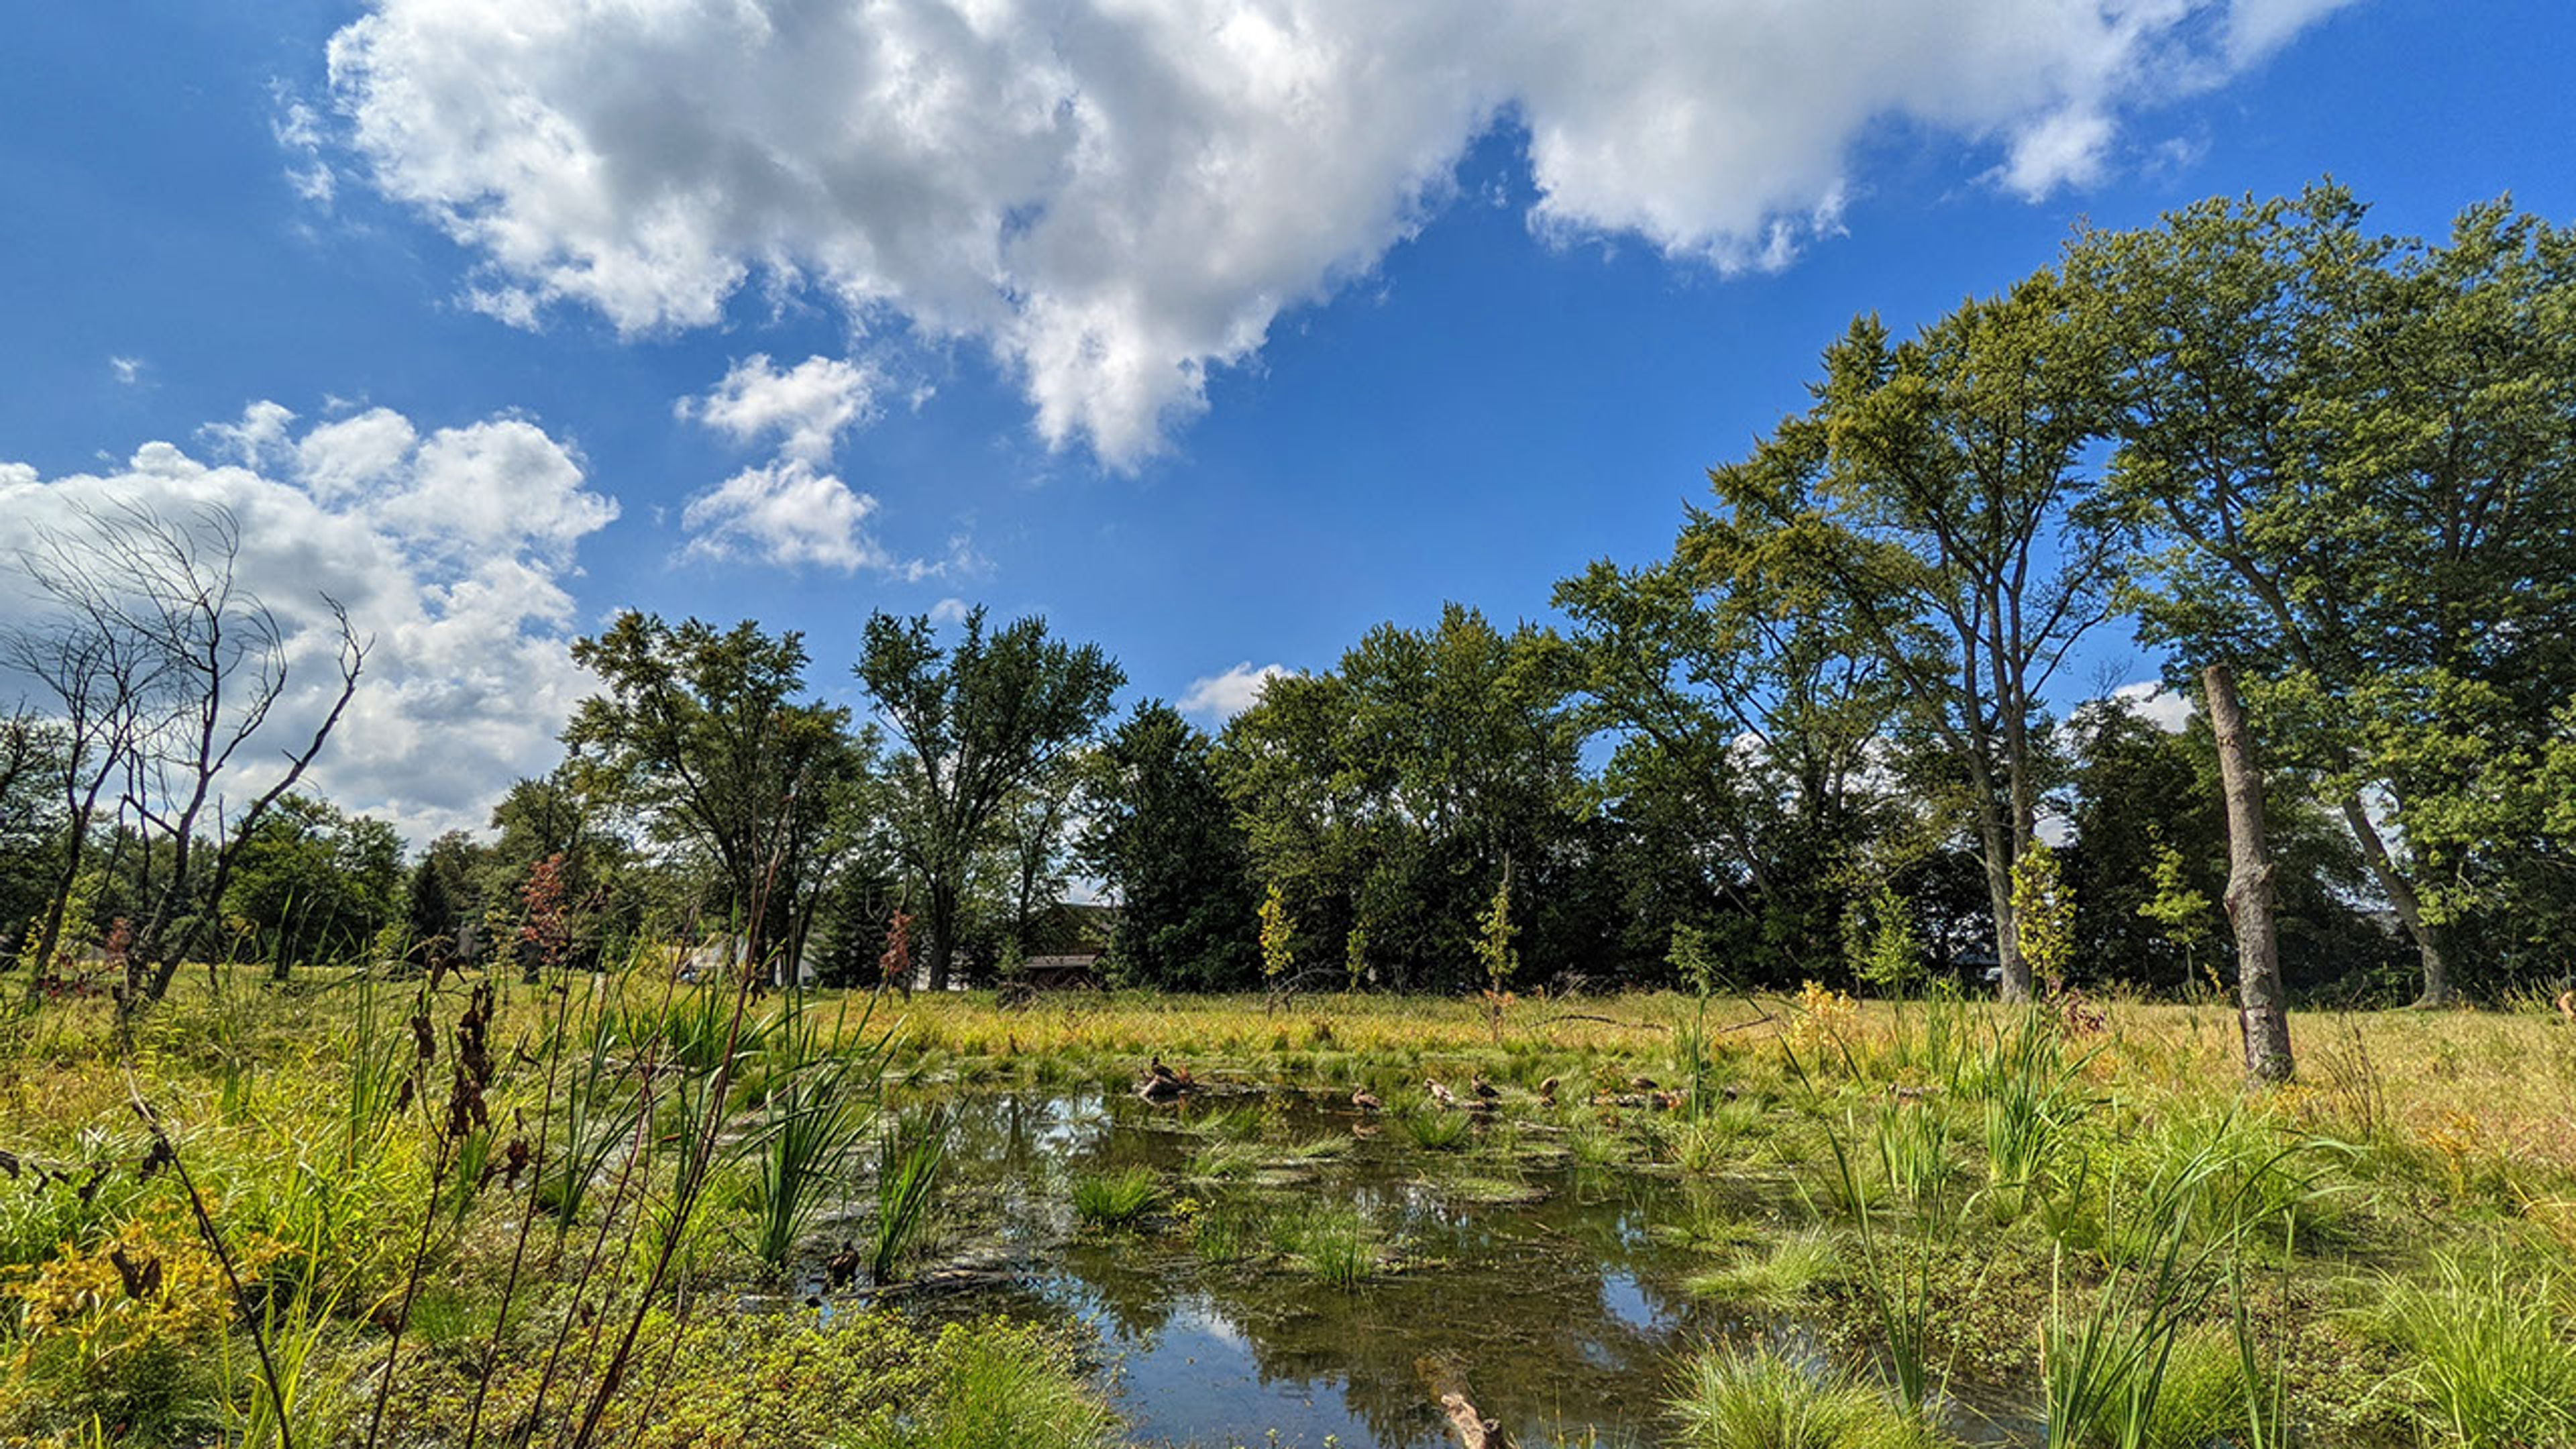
(1483, 1088)
(843, 1266)
(1439, 1093)
(1366, 1100)
(1644, 1084)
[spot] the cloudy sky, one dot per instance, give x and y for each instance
(1214, 330)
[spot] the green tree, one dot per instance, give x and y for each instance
(2353, 449)
(314, 883)
(1747, 725)
(976, 725)
(1161, 836)
(706, 736)
(1390, 790)
(1937, 493)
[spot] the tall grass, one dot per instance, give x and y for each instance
(812, 1119)
(2106, 1358)
(1115, 1199)
(2493, 1361)
(911, 1158)
(1760, 1400)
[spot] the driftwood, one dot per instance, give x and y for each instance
(1448, 1385)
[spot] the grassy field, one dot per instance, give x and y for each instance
(354, 1214)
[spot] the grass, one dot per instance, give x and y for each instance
(1785, 1272)
(1336, 1245)
(1934, 1144)
(1116, 1199)
(1760, 1400)
(1438, 1129)
(2494, 1361)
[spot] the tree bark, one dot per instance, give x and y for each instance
(2262, 1012)
(2402, 900)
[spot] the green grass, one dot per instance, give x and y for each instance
(1760, 1400)
(1335, 1245)
(1116, 1199)
(1784, 1272)
(2494, 1357)
(1438, 1129)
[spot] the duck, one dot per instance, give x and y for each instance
(1483, 1088)
(1366, 1100)
(1547, 1091)
(1439, 1093)
(1162, 1083)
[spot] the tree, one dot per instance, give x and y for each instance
(1937, 493)
(1161, 837)
(31, 824)
(314, 883)
(706, 735)
(166, 669)
(1390, 790)
(975, 724)
(1748, 726)
(2353, 450)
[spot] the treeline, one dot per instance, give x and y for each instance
(1813, 741)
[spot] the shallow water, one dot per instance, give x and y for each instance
(1564, 1309)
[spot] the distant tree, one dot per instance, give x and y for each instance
(314, 883)
(1748, 727)
(708, 736)
(1938, 494)
(31, 823)
(1161, 837)
(975, 725)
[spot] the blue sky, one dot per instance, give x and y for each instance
(1216, 332)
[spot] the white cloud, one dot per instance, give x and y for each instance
(128, 370)
(2149, 700)
(300, 133)
(950, 611)
(806, 408)
(785, 513)
(1118, 196)
(1221, 697)
(449, 549)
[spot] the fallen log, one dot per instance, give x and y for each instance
(1448, 1384)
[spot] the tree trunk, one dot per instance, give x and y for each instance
(943, 933)
(2401, 899)
(2014, 984)
(2262, 1013)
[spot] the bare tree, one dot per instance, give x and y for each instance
(170, 667)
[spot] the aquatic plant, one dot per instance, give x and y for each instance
(1115, 1199)
(911, 1158)
(1759, 1400)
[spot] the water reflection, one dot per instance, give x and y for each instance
(1565, 1311)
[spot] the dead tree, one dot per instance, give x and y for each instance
(189, 664)
(2262, 1011)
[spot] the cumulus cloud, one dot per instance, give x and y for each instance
(449, 548)
(805, 408)
(1220, 697)
(786, 513)
(2149, 700)
(1118, 196)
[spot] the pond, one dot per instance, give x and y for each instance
(1545, 1282)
